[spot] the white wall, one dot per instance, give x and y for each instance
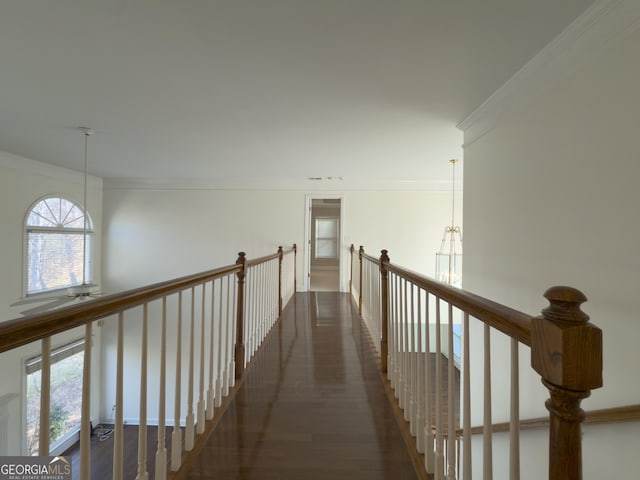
(551, 198)
(155, 235)
(22, 182)
(194, 230)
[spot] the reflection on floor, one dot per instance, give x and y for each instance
(312, 406)
(324, 280)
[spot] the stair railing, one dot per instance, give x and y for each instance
(210, 312)
(410, 316)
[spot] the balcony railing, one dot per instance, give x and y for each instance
(414, 321)
(206, 329)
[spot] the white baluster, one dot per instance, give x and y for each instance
(85, 422)
(378, 304)
(211, 391)
(420, 420)
(398, 339)
(142, 428)
(190, 431)
(428, 401)
(274, 293)
(255, 315)
(514, 427)
(375, 306)
(248, 320)
(439, 460)
(259, 305)
(266, 301)
(176, 435)
(262, 304)
(451, 404)
(118, 434)
(398, 307)
(232, 321)
(228, 350)
(222, 363)
(413, 407)
(45, 398)
(466, 407)
(250, 309)
(257, 310)
(365, 293)
(201, 387)
(487, 435)
(391, 362)
(161, 452)
(406, 357)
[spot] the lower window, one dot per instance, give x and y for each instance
(66, 397)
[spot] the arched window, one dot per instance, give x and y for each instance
(58, 245)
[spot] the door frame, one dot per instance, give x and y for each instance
(307, 238)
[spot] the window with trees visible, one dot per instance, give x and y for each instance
(66, 396)
(58, 245)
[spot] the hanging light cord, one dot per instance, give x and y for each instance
(453, 194)
(87, 132)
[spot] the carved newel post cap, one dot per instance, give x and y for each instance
(384, 257)
(241, 258)
(566, 350)
(564, 305)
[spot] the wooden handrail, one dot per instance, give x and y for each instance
(370, 258)
(21, 331)
(266, 258)
(509, 321)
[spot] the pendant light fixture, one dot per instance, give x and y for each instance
(449, 257)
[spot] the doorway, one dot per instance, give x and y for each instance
(324, 224)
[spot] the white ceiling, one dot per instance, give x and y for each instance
(258, 92)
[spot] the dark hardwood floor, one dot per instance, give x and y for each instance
(313, 405)
(102, 453)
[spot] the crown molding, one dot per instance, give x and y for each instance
(41, 169)
(34, 167)
(279, 185)
(599, 26)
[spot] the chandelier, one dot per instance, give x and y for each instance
(449, 257)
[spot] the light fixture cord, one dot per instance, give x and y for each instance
(84, 208)
(453, 195)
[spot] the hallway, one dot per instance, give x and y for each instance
(312, 406)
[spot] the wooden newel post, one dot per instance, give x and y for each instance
(280, 256)
(360, 253)
(239, 350)
(384, 306)
(566, 350)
